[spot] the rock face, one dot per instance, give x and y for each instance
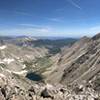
(96, 37)
(85, 63)
(79, 63)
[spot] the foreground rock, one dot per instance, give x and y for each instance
(42, 91)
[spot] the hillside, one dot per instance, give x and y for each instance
(79, 64)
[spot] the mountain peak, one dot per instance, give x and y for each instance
(84, 39)
(96, 37)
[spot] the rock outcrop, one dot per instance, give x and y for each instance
(47, 92)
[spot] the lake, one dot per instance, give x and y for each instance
(34, 77)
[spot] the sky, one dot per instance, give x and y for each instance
(63, 18)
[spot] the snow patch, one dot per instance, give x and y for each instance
(18, 73)
(21, 72)
(24, 66)
(8, 71)
(3, 47)
(28, 56)
(1, 62)
(8, 60)
(1, 75)
(48, 86)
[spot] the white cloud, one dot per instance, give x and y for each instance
(27, 29)
(74, 4)
(22, 13)
(29, 25)
(60, 9)
(95, 28)
(55, 19)
(43, 30)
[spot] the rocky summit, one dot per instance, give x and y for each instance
(36, 69)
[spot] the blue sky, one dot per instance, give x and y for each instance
(68, 18)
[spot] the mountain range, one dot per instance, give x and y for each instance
(48, 69)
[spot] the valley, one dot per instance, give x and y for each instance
(39, 71)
